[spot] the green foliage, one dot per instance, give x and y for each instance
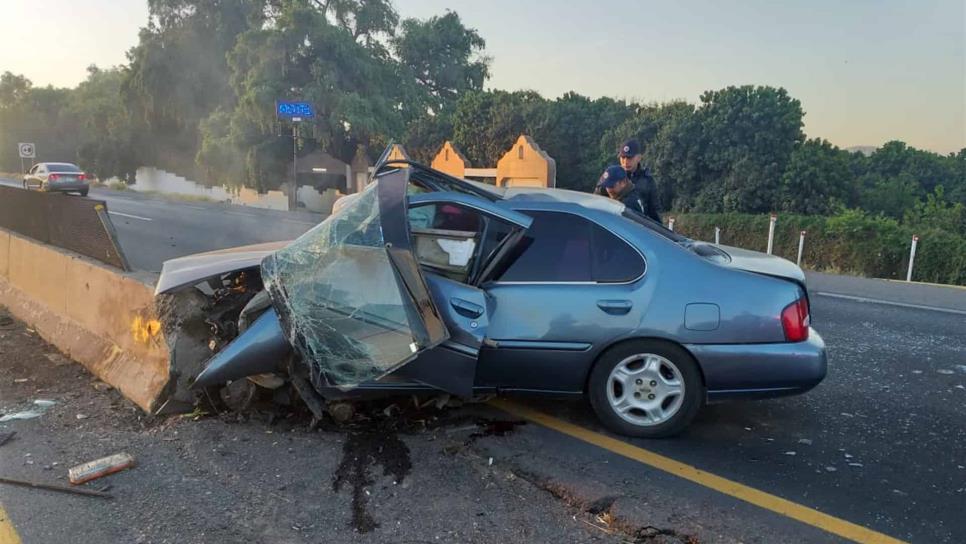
(445, 58)
(852, 242)
(199, 89)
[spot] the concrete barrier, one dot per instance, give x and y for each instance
(98, 316)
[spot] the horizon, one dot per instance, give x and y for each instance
(903, 78)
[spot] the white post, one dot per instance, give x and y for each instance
(670, 224)
(912, 256)
(771, 232)
(801, 246)
(717, 236)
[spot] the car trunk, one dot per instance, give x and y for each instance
(761, 263)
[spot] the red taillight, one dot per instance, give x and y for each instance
(81, 177)
(52, 177)
(795, 320)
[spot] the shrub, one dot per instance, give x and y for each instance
(852, 242)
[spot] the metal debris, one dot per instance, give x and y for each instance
(59, 488)
(40, 406)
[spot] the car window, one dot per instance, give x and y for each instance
(446, 237)
(614, 261)
(561, 247)
(63, 167)
(34, 169)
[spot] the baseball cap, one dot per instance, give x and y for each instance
(612, 176)
(629, 148)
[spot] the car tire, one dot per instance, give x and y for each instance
(663, 393)
(84, 192)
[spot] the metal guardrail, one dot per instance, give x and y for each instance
(78, 224)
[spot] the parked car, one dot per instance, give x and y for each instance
(62, 177)
(424, 282)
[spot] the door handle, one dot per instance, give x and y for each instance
(615, 307)
(466, 308)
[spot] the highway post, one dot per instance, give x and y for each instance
(771, 232)
(912, 256)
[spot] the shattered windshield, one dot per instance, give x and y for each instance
(340, 299)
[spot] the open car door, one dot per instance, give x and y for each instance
(354, 303)
(458, 238)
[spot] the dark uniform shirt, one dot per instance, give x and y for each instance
(646, 193)
(640, 195)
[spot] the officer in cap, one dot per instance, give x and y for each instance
(615, 184)
(630, 156)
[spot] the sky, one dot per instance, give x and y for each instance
(865, 71)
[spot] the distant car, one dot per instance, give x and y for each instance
(427, 282)
(62, 177)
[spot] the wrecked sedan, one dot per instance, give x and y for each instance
(424, 282)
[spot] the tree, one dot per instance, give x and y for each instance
(486, 123)
(178, 72)
(444, 57)
(746, 138)
(817, 179)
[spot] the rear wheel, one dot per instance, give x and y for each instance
(84, 192)
(646, 388)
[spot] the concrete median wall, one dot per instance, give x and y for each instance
(98, 316)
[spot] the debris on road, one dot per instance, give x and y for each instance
(805, 441)
(100, 467)
(41, 406)
(59, 488)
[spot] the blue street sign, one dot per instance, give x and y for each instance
(289, 110)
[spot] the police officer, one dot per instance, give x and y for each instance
(615, 183)
(630, 156)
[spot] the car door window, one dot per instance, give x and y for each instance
(563, 247)
(613, 260)
(446, 237)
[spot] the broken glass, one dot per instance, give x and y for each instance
(341, 300)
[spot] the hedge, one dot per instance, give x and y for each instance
(850, 243)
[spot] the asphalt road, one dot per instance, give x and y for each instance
(880, 443)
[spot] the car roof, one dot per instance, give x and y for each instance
(553, 195)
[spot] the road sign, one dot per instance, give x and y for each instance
(27, 151)
(294, 110)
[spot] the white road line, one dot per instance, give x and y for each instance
(891, 303)
(131, 216)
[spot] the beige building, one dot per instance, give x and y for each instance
(526, 165)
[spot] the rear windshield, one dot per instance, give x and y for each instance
(62, 167)
(653, 225)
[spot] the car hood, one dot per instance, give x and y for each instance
(762, 263)
(192, 269)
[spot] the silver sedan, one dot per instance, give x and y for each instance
(62, 177)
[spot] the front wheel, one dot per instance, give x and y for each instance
(646, 389)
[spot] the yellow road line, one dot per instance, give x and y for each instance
(804, 514)
(8, 535)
